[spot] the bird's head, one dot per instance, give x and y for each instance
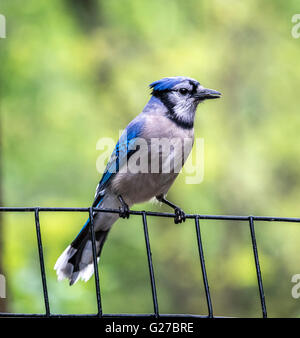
(181, 96)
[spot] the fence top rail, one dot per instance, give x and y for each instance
(152, 213)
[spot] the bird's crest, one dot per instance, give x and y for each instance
(166, 83)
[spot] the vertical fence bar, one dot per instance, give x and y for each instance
(41, 259)
(203, 268)
(150, 264)
(96, 273)
(257, 266)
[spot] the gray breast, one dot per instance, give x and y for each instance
(162, 168)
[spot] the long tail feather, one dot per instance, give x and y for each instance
(76, 262)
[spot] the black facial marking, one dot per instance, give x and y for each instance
(164, 98)
(194, 86)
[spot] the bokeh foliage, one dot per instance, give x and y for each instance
(72, 72)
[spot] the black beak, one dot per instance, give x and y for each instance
(206, 94)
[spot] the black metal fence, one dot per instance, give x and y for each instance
(144, 214)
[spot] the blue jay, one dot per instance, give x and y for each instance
(170, 113)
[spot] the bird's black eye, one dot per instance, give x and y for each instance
(183, 91)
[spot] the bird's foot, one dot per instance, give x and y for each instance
(124, 209)
(179, 216)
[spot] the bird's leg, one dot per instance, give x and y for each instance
(124, 208)
(179, 214)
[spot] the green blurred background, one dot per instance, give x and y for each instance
(73, 71)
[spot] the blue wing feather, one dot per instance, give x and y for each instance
(123, 151)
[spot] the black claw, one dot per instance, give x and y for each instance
(124, 211)
(179, 216)
(124, 208)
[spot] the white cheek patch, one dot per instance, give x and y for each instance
(185, 110)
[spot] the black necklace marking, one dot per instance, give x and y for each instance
(179, 122)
